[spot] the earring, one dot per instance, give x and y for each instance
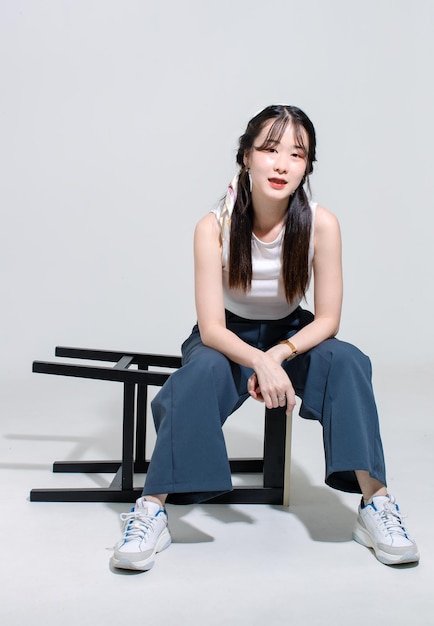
(250, 179)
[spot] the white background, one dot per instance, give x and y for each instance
(119, 122)
(119, 127)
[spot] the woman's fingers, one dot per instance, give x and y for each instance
(273, 399)
(280, 397)
(253, 388)
(281, 400)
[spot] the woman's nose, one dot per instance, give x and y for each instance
(280, 165)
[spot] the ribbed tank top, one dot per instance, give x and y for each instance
(266, 298)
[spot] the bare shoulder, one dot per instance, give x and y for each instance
(208, 225)
(325, 220)
(208, 229)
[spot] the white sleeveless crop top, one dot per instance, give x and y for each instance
(266, 298)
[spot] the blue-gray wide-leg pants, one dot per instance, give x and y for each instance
(333, 380)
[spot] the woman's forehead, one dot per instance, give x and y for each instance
(276, 131)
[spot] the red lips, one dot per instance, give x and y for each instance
(277, 183)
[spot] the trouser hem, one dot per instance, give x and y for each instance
(346, 480)
(186, 494)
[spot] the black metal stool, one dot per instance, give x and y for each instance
(274, 466)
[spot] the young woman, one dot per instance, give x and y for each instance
(254, 257)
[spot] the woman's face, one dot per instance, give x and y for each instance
(278, 168)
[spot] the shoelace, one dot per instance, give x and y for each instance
(137, 525)
(391, 518)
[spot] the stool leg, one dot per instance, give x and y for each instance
(128, 438)
(287, 461)
(141, 410)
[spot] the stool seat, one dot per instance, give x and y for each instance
(133, 370)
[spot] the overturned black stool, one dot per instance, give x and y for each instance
(133, 371)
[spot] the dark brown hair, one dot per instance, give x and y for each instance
(295, 250)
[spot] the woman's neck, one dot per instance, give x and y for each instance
(268, 222)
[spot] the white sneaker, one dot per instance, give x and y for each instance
(145, 534)
(379, 526)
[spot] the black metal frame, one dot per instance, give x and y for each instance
(135, 382)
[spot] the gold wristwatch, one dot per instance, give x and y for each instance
(293, 348)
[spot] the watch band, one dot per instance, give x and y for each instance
(293, 348)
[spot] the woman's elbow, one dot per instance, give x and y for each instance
(334, 331)
(334, 328)
(207, 335)
(330, 326)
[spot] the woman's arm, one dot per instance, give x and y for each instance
(327, 270)
(212, 322)
(209, 295)
(327, 274)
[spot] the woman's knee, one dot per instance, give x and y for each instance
(193, 350)
(344, 353)
(205, 360)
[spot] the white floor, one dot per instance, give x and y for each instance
(250, 564)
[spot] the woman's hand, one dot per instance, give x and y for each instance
(270, 383)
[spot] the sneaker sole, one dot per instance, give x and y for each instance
(364, 539)
(123, 562)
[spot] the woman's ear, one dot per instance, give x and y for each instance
(246, 159)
